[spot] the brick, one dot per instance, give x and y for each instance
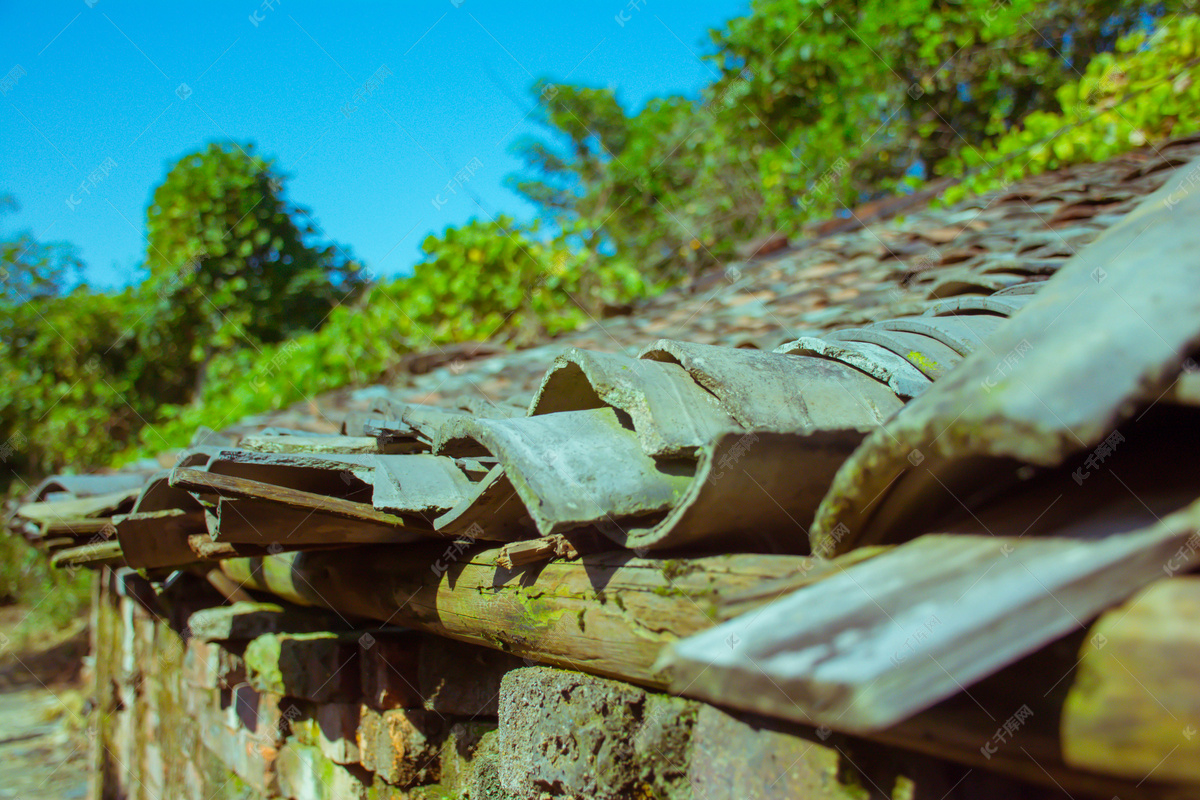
(401, 746)
(322, 667)
(575, 734)
(244, 621)
(332, 728)
(305, 773)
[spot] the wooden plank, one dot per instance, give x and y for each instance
(606, 613)
(253, 521)
(1134, 707)
(894, 635)
(225, 486)
(101, 505)
(530, 551)
(74, 528)
(94, 554)
(206, 549)
(158, 538)
(309, 444)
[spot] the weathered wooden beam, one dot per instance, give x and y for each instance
(225, 486)
(1134, 708)
(82, 526)
(252, 521)
(609, 614)
(93, 554)
(158, 538)
(606, 613)
(95, 506)
(929, 617)
(309, 444)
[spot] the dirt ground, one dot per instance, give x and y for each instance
(43, 725)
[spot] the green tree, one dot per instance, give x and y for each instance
(233, 261)
(30, 269)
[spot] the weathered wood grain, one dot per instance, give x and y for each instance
(101, 505)
(93, 554)
(309, 444)
(894, 635)
(225, 486)
(606, 613)
(156, 539)
(1134, 709)
(253, 521)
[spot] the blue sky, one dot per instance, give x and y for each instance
(102, 95)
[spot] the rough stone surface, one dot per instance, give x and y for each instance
(332, 728)
(732, 760)
(304, 773)
(484, 781)
(321, 667)
(401, 746)
(568, 734)
(210, 665)
(463, 741)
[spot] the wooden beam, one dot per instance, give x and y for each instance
(309, 444)
(252, 521)
(94, 554)
(609, 614)
(1134, 707)
(605, 613)
(101, 505)
(225, 486)
(158, 538)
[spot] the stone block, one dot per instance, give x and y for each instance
(401, 746)
(332, 728)
(304, 773)
(566, 733)
(211, 665)
(321, 667)
(458, 759)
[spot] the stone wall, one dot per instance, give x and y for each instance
(263, 701)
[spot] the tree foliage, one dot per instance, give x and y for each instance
(233, 259)
(818, 106)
